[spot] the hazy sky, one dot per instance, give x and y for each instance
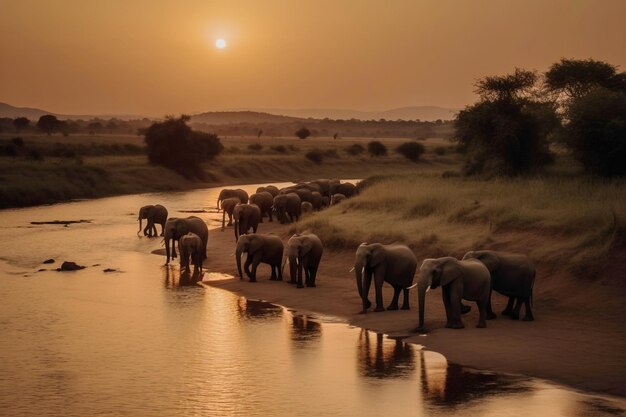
(158, 57)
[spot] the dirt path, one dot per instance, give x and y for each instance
(578, 340)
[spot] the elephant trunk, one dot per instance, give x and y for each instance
(238, 253)
(236, 227)
(422, 287)
(293, 264)
(359, 269)
(167, 250)
(223, 218)
(218, 203)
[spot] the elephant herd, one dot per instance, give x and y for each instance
(472, 278)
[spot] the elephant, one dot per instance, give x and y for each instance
(317, 200)
(265, 201)
(304, 251)
(395, 264)
(287, 204)
(347, 188)
(247, 216)
(190, 246)
(227, 193)
(260, 248)
(466, 279)
(324, 185)
(512, 275)
(154, 214)
(272, 189)
(303, 193)
(325, 201)
(309, 186)
(306, 208)
(175, 228)
(228, 206)
(336, 199)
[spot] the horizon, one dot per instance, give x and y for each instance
(119, 58)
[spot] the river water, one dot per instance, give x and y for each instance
(135, 342)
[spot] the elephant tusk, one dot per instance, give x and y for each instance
(428, 288)
(351, 270)
(412, 286)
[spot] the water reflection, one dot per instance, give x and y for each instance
(174, 278)
(257, 310)
(381, 357)
(305, 331)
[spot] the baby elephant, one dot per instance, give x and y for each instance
(512, 275)
(304, 252)
(260, 248)
(395, 264)
(190, 246)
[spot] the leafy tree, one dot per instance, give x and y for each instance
(316, 156)
(510, 87)
(94, 127)
(20, 123)
(303, 133)
(411, 150)
(355, 149)
(173, 144)
(577, 77)
(596, 131)
(48, 124)
(376, 148)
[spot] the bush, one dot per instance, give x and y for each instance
(315, 156)
(303, 133)
(255, 147)
(331, 153)
(411, 150)
(376, 148)
(279, 148)
(173, 144)
(596, 132)
(355, 149)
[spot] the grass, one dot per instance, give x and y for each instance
(582, 218)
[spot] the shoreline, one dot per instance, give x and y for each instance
(586, 352)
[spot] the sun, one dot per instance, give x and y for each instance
(220, 43)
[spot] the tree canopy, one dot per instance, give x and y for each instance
(577, 77)
(48, 124)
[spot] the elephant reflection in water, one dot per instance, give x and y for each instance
(257, 310)
(185, 278)
(448, 384)
(384, 358)
(304, 331)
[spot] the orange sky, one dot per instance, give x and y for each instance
(158, 57)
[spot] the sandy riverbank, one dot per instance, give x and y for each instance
(577, 339)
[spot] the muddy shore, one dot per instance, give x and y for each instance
(577, 338)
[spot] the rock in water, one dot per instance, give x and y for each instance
(70, 266)
(49, 261)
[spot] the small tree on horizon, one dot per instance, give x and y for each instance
(411, 150)
(376, 148)
(20, 123)
(48, 124)
(303, 133)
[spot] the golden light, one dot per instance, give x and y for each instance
(220, 43)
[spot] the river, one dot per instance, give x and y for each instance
(136, 342)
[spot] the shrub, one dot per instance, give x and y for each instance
(331, 153)
(411, 150)
(376, 148)
(173, 144)
(303, 133)
(355, 149)
(279, 148)
(315, 156)
(255, 147)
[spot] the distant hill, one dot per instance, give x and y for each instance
(425, 113)
(7, 110)
(230, 117)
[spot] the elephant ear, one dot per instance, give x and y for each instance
(450, 271)
(378, 255)
(256, 243)
(306, 246)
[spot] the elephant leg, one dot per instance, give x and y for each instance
(490, 314)
(482, 313)
(162, 229)
(405, 303)
(516, 308)
(146, 230)
(279, 272)
(379, 276)
(246, 265)
(445, 296)
(529, 313)
(307, 275)
(256, 260)
(269, 214)
(509, 307)
(366, 289)
(394, 302)
(455, 306)
(312, 275)
(273, 277)
(300, 267)
(230, 219)
(153, 231)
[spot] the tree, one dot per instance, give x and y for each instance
(376, 148)
(316, 156)
(576, 77)
(411, 150)
(20, 123)
(303, 133)
(173, 144)
(48, 123)
(506, 131)
(596, 131)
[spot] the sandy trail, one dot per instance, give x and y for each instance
(578, 341)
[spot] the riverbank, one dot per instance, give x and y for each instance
(577, 339)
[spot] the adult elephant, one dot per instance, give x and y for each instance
(512, 275)
(260, 249)
(190, 246)
(346, 188)
(228, 192)
(466, 279)
(265, 201)
(247, 216)
(272, 189)
(395, 264)
(175, 228)
(324, 185)
(154, 214)
(306, 208)
(317, 200)
(304, 252)
(336, 199)
(228, 207)
(287, 205)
